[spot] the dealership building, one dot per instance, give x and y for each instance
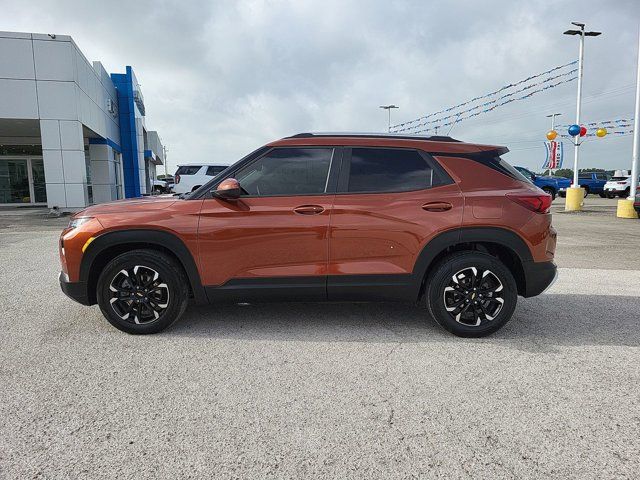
(71, 134)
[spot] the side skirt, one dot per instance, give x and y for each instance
(372, 288)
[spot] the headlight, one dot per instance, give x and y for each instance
(76, 222)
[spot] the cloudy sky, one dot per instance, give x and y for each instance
(221, 78)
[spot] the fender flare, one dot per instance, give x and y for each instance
(145, 236)
(450, 238)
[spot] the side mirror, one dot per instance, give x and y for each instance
(228, 189)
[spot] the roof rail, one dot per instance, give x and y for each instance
(433, 138)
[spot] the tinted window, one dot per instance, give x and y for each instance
(601, 176)
(188, 170)
(287, 171)
(585, 177)
(499, 165)
(387, 170)
(213, 171)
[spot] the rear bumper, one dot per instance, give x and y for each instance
(538, 277)
(74, 290)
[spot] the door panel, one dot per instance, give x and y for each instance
(382, 234)
(262, 237)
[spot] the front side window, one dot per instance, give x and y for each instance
(287, 171)
(388, 170)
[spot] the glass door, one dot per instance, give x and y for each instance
(14, 181)
(39, 185)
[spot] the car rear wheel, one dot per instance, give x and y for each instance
(603, 195)
(550, 191)
(471, 294)
(142, 291)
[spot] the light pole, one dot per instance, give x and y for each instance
(388, 109)
(625, 207)
(553, 126)
(164, 154)
(574, 198)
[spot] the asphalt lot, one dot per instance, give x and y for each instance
(326, 390)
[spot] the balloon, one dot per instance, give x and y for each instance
(601, 132)
(583, 131)
(551, 135)
(574, 130)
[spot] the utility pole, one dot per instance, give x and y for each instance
(553, 127)
(574, 199)
(164, 157)
(388, 109)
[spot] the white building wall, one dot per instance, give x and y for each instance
(49, 79)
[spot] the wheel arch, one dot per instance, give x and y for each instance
(109, 245)
(504, 244)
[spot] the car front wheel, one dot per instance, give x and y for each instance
(471, 294)
(142, 291)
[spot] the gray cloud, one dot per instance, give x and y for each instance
(221, 78)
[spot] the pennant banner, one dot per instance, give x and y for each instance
(399, 127)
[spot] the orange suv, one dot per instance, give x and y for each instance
(316, 217)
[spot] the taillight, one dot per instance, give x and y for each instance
(177, 179)
(535, 203)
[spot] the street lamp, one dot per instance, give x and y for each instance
(388, 109)
(574, 198)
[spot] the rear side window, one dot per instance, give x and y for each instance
(388, 170)
(499, 165)
(584, 177)
(188, 170)
(213, 171)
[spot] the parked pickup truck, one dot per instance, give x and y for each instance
(592, 182)
(544, 182)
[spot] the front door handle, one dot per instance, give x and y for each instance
(437, 206)
(308, 209)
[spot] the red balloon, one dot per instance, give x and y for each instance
(583, 131)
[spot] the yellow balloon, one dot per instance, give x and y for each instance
(601, 132)
(551, 135)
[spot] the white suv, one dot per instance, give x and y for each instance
(619, 184)
(189, 177)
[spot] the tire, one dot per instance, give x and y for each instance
(624, 194)
(602, 195)
(586, 191)
(611, 195)
(562, 194)
(441, 288)
(550, 191)
(152, 312)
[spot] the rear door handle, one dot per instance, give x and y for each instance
(437, 206)
(308, 209)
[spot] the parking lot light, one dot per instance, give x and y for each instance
(625, 206)
(575, 194)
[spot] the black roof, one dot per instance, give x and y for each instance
(433, 138)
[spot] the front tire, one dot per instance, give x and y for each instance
(471, 294)
(142, 291)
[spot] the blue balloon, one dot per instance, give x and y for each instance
(574, 130)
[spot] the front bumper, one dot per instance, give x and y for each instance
(74, 290)
(538, 276)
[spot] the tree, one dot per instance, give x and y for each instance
(564, 172)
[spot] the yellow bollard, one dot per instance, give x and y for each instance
(625, 209)
(575, 199)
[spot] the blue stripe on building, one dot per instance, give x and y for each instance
(128, 138)
(105, 141)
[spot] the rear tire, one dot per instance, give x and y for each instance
(463, 311)
(550, 191)
(586, 191)
(142, 291)
(603, 195)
